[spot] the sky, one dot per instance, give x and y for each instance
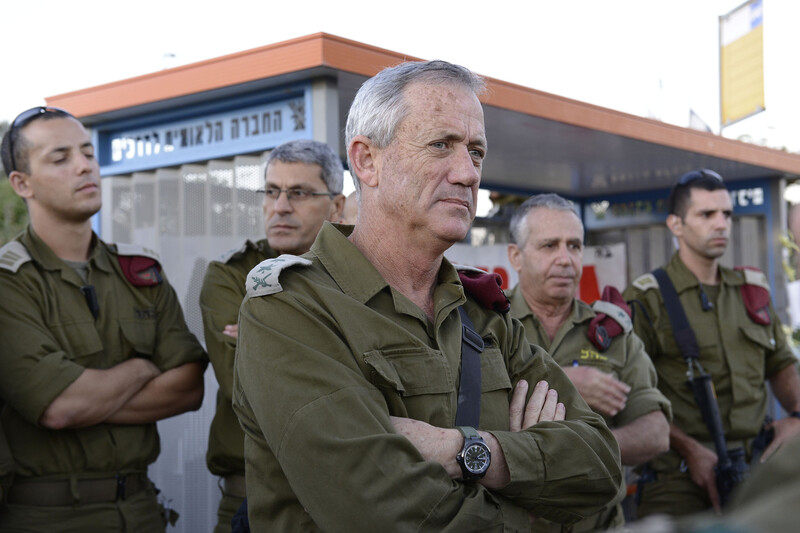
(652, 58)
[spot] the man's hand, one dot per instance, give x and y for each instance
(700, 461)
(603, 392)
(543, 406)
(785, 430)
(441, 445)
(231, 330)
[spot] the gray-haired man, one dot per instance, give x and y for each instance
(349, 362)
(303, 189)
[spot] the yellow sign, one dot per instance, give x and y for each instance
(741, 62)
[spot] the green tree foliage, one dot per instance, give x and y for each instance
(13, 215)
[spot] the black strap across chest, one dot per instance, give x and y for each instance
(468, 412)
(681, 329)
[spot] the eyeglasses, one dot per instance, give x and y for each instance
(699, 174)
(293, 195)
(23, 119)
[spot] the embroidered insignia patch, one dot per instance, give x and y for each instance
(263, 278)
(646, 282)
(13, 255)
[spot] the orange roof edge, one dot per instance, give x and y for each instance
(318, 49)
(323, 49)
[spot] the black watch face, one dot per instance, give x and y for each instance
(476, 458)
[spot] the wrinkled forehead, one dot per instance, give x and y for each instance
(294, 174)
(443, 97)
(545, 223)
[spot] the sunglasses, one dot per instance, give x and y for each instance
(25, 118)
(699, 174)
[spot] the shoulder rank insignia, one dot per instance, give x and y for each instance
(227, 256)
(646, 282)
(13, 255)
(755, 294)
(613, 318)
(263, 279)
(139, 265)
(484, 287)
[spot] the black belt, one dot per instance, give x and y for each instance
(60, 493)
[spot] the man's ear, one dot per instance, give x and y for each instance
(675, 225)
(338, 208)
(515, 257)
(362, 153)
(19, 182)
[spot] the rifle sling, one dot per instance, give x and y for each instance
(687, 344)
(683, 332)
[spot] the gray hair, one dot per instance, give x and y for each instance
(519, 220)
(380, 105)
(312, 153)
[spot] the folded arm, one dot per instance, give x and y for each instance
(173, 392)
(98, 394)
(643, 439)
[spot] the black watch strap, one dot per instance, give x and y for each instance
(469, 432)
(795, 414)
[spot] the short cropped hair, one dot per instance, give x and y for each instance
(679, 197)
(312, 153)
(13, 136)
(380, 104)
(518, 226)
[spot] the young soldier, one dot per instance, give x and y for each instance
(741, 343)
(95, 347)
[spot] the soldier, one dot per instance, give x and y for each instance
(95, 350)
(303, 189)
(613, 374)
(349, 361)
(740, 342)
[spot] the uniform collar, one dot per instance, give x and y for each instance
(684, 279)
(520, 309)
(44, 256)
(352, 271)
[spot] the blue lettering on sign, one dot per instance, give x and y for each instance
(650, 207)
(201, 138)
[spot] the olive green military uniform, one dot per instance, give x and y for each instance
(220, 298)
(328, 351)
(49, 337)
(6, 466)
(738, 353)
(625, 359)
(766, 502)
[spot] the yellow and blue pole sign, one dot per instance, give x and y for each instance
(741, 60)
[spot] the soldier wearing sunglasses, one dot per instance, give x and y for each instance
(303, 187)
(740, 343)
(95, 347)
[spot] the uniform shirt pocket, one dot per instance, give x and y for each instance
(138, 336)
(416, 382)
(80, 341)
(759, 343)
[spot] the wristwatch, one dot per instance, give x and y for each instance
(474, 457)
(795, 414)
